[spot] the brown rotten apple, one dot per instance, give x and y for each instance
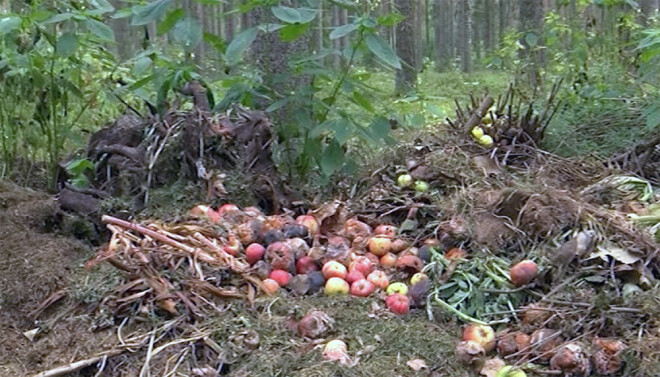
(523, 273)
(482, 334)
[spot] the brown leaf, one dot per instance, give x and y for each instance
(417, 364)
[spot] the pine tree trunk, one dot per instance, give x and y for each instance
(463, 37)
(405, 47)
(229, 20)
(531, 23)
(442, 21)
(272, 56)
(647, 9)
(122, 30)
(476, 28)
(488, 25)
(503, 18)
(336, 43)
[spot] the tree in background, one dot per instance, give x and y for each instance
(531, 29)
(463, 37)
(406, 45)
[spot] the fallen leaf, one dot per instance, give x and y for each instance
(491, 366)
(417, 364)
(619, 254)
(30, 334)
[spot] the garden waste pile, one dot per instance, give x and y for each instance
(542, 265)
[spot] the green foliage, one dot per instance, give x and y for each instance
(56, 58)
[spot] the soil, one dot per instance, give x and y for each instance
(36, 264)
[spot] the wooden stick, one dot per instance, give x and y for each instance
(480, 112)
(148, 232)
(79, 364)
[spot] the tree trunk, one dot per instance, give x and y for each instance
(229, 20)
(476, 23)
(442, 21)
(405, 47)
(647, 9)
(463, 37)
(272, 56)
(531, 27)
(488, 25)
(503, 18)
(336, 43)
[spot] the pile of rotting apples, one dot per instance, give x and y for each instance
(292, 254)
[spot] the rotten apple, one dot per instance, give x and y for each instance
(310, 223)
(379, 279)
(270, 286)
(379, 245)
(398, 303)
(334, 269)
(362, 288)
(482, 334)
(336, 286)
(305, 265)
(254, 252)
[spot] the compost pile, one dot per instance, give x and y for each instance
(551, 263)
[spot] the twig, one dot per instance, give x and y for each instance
(79, 364)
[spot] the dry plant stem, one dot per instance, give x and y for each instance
(59, 371)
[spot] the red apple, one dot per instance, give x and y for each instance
(398, 303)
(354, 276)
(388, 260)
(354, 228)
(373, 258)
(482, 334)
(281, 277)
(362, 288)
(379, 279)
(270, 286)
(455, 253)
(379, 245)
(336, 286)
(233, 245)
(310, 222)
(227, 208)
(386, 230)
(334, 269)
(205, 211)
(362, 264)
(254, 252)
(523, 273)
(399, 245)
(305, 265)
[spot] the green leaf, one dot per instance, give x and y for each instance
(292, 31)
(652, 115)
(343, 30)
(141, 65)
(307, 15)
(101, 30)
(382, 50)
(79, 166)
(362, 102)
(341, 129)
(151, 12)
(209, 2)
(58, 18)
(187, 33)
(9, 24)
(102, 5)
(531, 39)
(287, 14)
(332, 158)
(170, 20)
(390, 19)
(66, 45)
(239, 44)
(216, 42)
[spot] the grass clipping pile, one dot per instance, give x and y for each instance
(550, 264)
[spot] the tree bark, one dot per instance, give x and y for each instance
(463, 37)
(647, 8)
(229, 20)
(272, 56)
(476, 22)
(503, 19)
(406, 77)
(531, 22)
(488, 25)
(442, 42)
